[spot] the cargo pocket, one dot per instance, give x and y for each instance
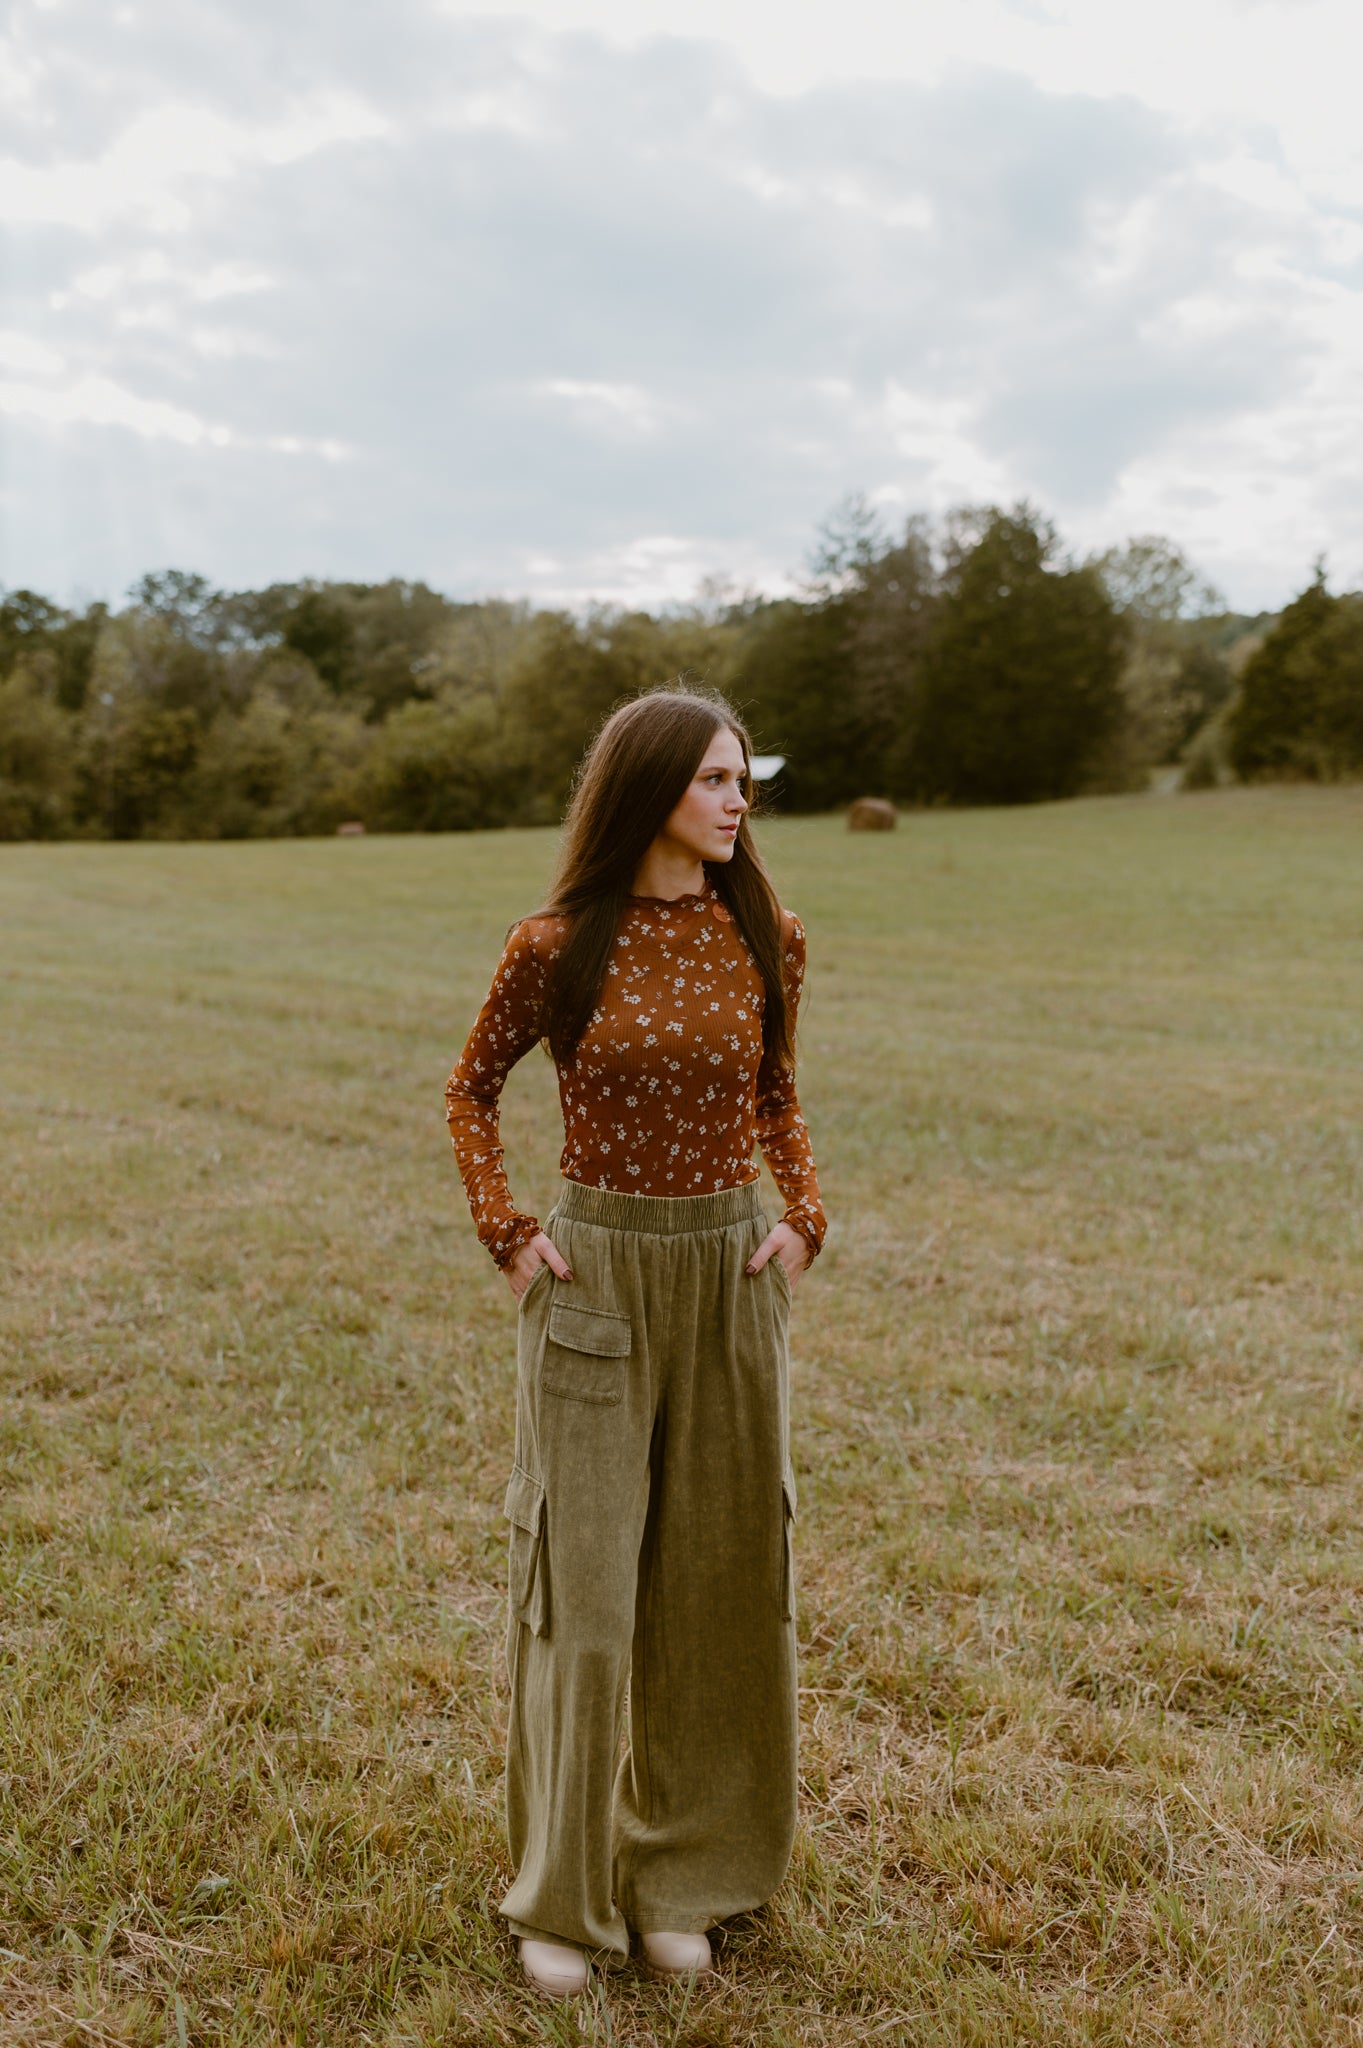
(788, 1544)
(527, 1577)
(584, 1359)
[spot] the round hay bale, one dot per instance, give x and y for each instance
(871, 814)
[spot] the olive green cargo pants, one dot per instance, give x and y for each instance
(650, 1511)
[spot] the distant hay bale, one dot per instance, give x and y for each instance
(351, 827)
(871, 814)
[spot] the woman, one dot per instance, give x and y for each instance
(651, 1496)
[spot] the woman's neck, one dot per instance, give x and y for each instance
(668, 872)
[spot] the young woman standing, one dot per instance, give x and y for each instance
(651, 1497)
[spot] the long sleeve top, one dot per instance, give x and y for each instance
(668, 1091)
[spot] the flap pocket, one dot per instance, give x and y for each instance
(527, 1560)
(524, 1501)
(584, 1359)
(601, 1332)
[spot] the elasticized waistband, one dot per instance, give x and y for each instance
(659, 1215)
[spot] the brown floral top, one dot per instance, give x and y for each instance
(668, 1090)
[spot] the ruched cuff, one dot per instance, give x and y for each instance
(513, 1233)
(811, 1229)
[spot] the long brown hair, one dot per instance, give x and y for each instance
(630, 780)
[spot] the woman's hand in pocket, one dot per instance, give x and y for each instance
(540, 1251)
(785, 1244)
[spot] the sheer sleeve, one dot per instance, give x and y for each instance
(781, 1130)
(506, 1028)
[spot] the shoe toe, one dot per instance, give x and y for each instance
(558, 1972)
(677, 1955)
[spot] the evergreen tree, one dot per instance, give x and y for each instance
(791, 685)
(1300, 710)
(1021, 671)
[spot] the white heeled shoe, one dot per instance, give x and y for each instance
(677, 1955)
(556, 1971)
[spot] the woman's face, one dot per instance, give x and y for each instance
(705, 823)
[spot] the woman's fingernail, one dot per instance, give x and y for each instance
(568, 1275)
(750, 1270)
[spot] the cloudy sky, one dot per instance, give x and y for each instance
(601, 298)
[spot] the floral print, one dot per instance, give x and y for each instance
(669, 1089)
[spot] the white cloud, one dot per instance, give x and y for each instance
(939, 441)
(98, 401)
(145, 171)
(611, 406)
(28, 355)
(1287, 65)
(218, 281)
(654, 570)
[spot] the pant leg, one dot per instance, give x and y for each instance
(705, 1800)
(586, 1399)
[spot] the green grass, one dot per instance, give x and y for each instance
(1079, 1433)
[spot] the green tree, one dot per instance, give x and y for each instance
(831, 682)
(1340, 703)
(36, 759)
(31, 625)
(291, 761)
(28, 621)
(170, 635)
(73, 646)
(398, 630)
(791, 684)
(136, 752)
(571, 674)
(1021, 671)
(1176, 675)
(375, 643)
(893, 614)
(440, 767)
(1300, 710)
(184, 602)
(1151, 578)
(320, 628)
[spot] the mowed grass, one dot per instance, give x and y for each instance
(1078, 1428)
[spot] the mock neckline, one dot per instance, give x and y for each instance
(671, 902)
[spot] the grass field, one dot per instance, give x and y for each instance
(1079, 1435)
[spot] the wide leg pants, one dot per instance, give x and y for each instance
(650, 1510)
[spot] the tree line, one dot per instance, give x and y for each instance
(968, 660)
